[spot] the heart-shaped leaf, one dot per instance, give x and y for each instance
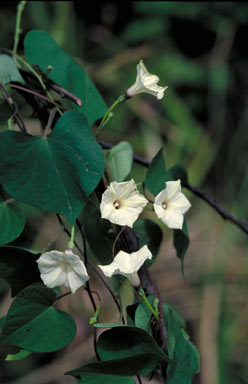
(32, 323)
(56, 172)
(156, 174)
(42, 50)
(120, 160)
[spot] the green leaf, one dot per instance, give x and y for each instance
(55, 173)
(128, 366)
(42, 50)
(181, 242)
(150, 234)
(187, 357)
(18, 356)
(18, 268)
(8, 70)
(156, 175)
(96, 378)
(178, 172)
(120, 160)
(143, 315)
(132, 341)
(180, 349)
(97, 231)
(33, 324)
(12, 220)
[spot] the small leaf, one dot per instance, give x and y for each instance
(18, 356)
(181, 242)
(12, 220)
(156, 174)
(42, 50)
(143, 315)
(150, 234)
(33, 324)
(18, 268)
(120, 160)
(8, 70)
(55, 173)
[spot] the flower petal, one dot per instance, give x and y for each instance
(74, 281)
(109, 270)
(173, 219)
(180, 203)
(54, 278)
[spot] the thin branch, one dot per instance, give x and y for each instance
(35, 94)
(16, 114)
(198, 192)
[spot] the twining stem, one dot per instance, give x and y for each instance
(142, 294)
(116, 239)
(72, 239)
(94, 318)
(49, 124)
(109, 114)
(39, 77)
(20, 9)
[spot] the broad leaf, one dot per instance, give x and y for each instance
(12, 220)
(120, 160)
(42, 50)
(131, 341)
(8, 70)
(18, 268)
(55, 173)
(150, 234)
(176, 172)
(156, 174)
(32, 322)
(181, 242)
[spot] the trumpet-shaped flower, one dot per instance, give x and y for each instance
(122, 203)
(145, 82)
(170, 205)
(127, 264)
(62, 268)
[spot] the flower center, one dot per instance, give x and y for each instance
(164, 205)
(117, 204)
(65, 264)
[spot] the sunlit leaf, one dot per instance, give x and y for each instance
(119, 160)
(8, 70)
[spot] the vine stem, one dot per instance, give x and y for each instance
(107, 115)
(20, 9)
(142, 294)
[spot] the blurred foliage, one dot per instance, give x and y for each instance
(200, 51)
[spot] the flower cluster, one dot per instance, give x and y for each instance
(122, 203)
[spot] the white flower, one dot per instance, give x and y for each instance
(170, 205)
(62, 268)
(145, 82)
(122, 203)
(127, 264)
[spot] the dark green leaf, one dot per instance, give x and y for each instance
(181, 242)
(33, 324)
(12, 221)
(57, 172)
(156, 174)
(128, 366)
(42, 50)
(174, 323)
(8, 70)
(120, 160)
(131, 341)
(150, 234)
(97, 231)
(178, 172)
(18, 268)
